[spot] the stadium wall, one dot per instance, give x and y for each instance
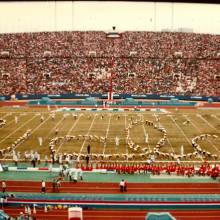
(116, 96)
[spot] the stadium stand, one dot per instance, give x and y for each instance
(139, 62)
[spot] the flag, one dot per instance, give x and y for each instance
(110, 96)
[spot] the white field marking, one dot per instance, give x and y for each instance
(126, 146)
(8, 114)
(137, 138)
(11, 121)
(32, 132)
(18, 128)
(106, 135)
(216, 117)
(181, 130)
(6, 121)
(80, 152)
(198, 129)
(167, 137)
(210, 125)
(54, 127)
(184, 134)
(70, 130)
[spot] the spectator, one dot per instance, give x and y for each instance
(87, 160)
(43, 186)
(162, 63)
(4, 186)
(88, 149)
(122, 185)
(58, 185)
(54, 185)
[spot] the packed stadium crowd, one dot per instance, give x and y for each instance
(82, 62)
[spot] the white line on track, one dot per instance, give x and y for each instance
(68, 133)
(106, 135)
(80, 152)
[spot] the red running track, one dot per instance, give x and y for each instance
(113, 188)
(118, 214)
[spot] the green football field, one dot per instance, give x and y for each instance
(92, 127)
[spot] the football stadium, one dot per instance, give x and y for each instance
(109, 110)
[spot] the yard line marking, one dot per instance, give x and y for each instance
(184, 134)
(32, 131)
(181, 130)
(216, 117)
(6, 115)
(106, 135)
(210, 125)
(167, 137)
(80, 152)
(18, 128)
(58, 123)
(68, 133)
(11, 121)
(126, 146)
(198, 129)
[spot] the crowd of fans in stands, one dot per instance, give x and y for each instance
(82, 62)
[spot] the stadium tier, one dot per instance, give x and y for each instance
(82, 62)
